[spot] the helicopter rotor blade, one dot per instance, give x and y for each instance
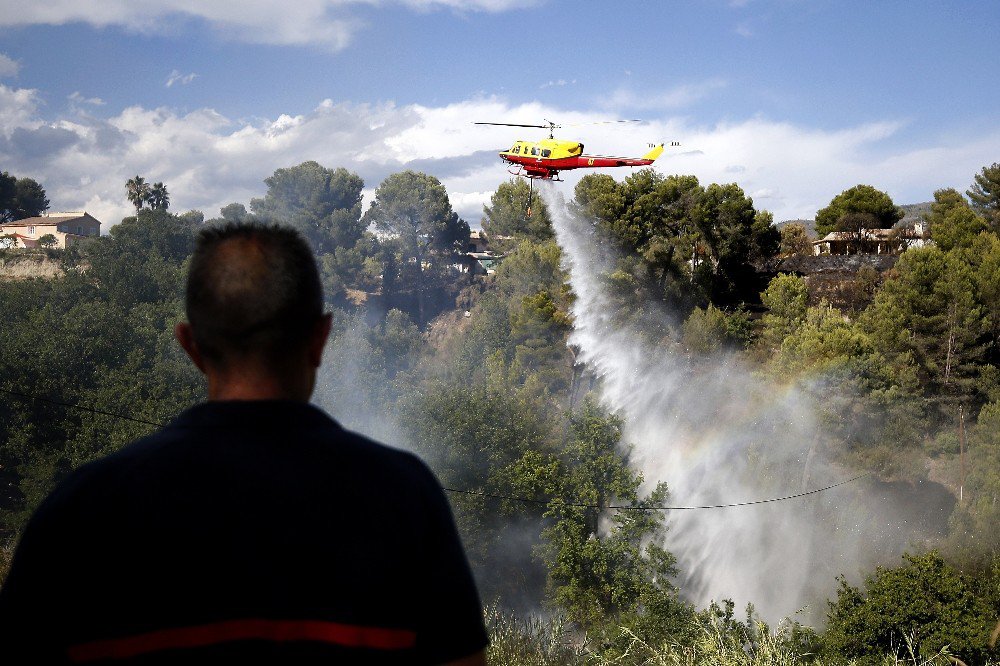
(513, 125)
(605, 122)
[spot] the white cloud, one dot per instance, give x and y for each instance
(8, 66)
(744, 30)
(177, 77)
(675, 98)
(558, 83)
(327, 23)
(18, 107)
(208, 160)
(78, 98)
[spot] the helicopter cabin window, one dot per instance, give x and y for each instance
(546, 152)
(534, 150)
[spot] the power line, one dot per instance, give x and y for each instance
(513, 498)
(622, 507)
(85, 408)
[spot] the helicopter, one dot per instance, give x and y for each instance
(546, 158)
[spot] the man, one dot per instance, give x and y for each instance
(251, 529)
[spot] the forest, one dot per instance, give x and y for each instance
(515, 388)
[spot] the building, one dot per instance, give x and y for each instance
(67, 228)
(872, 241)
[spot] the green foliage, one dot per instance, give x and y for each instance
(795, 240)
(925, 602)
(973, 534)
(323, 204)
(985, 194)
(930, 314)
(518, 212)
(413, 208)
(692, 243)
(952, 221)
(874, 208)
(20, 198)
(708, 330)
(100, 338)
(137, 191)
(158, 197)
(47, 241)
(600, 564)
(786, 299)
(234, 212)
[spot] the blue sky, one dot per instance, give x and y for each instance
(794, 100)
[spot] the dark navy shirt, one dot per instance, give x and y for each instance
(243, 532)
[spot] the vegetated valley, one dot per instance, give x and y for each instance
(582, 377)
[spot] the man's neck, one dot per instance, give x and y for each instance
(251, 386)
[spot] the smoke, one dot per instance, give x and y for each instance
(718, 434)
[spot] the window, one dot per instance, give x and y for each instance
(516, 149)
(31, 231)
(546, 152)
(79, 230)
(534, 150)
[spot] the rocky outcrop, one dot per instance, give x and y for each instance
(22, 266)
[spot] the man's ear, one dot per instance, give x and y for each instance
(318, 340)
(185, 336)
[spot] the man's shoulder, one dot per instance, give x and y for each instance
(298, 443)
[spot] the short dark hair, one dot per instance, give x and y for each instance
(253, 290)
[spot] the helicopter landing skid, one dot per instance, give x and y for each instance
(521, 171)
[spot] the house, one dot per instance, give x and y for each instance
(477, 242)
(872, 241)
(479, 259)
(67, 228)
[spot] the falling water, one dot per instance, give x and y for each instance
(717, 434)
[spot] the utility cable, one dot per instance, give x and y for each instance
(513, 498)
(623, 507)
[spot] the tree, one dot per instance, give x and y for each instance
(985, 194)
(951, 220)
(925, 601)
(958, 228)
(234, 212)
(414, 209)
(47, 241)
(786, 299)
(795, 240)
(516, 211)
(158, 197)
(595, 573)
(708, 330)
(20, 198)
(861, 204)
(137, 190)
(930, 314)
(323, 204)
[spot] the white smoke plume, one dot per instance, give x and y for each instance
(719, 434)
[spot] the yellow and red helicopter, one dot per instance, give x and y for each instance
(546, 158)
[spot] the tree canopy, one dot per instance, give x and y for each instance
(20, 198)
(861, 204)
(516, 211)
(413, 210)
(985, 194)
(323, 204)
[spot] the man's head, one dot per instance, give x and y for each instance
(255, 310)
